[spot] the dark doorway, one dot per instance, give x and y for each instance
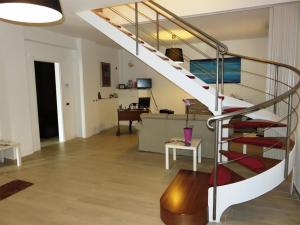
(46, 99)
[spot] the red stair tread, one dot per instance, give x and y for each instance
(267, 162)
(206, 87)
(185, 201)
(232, 109)
(234, 177)
(274, 142)
(221, 97)
(250, 162)
(254, 124)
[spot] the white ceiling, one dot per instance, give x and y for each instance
(240, 24)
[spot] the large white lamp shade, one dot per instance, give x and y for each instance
(31, 11)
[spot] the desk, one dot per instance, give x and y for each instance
(129, 115)
(5, 145)
(178, 143)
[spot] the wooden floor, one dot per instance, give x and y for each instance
(104, 180)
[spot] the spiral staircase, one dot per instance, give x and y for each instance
(197, 197)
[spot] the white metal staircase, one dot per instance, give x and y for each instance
(219, 197)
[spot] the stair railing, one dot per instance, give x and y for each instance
(272, 102)
(220, 48)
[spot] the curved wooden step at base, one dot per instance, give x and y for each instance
(186, 199)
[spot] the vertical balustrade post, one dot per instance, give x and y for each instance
(157, 31)
(216, 156)
(136, 28)
(222, 74)
(288, 130)
(275, 88)
(217, 78)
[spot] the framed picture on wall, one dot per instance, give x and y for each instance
(105, 73)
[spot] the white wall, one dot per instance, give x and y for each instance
(80, 79)
(20, 46)
(41, 45)
(170, 96)
(99, 114)
(15, 115)
(258, 48)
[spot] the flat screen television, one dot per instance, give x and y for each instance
(205, 69)
(143, 83)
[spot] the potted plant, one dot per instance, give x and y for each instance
(187, 131)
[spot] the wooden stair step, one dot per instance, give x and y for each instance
(163, 58)
(254, 124)
(206, 87)
(256, 164)
(274, 142)
(185, 201)
(191, 77)
(127, 33)
(232, 109)
(140, 40)
(150, 49)
(102, 16)
(177, 67)
(116, 25)
(221, 97)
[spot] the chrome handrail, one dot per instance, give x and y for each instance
(222, 47)
(261, 105)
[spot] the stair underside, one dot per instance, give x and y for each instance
(267, 162)
(254, 124)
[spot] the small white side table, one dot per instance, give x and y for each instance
(178, 143)
(5, 145)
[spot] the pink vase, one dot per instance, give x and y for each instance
(188, 133)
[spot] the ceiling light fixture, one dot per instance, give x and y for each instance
(176, 54)
(31, 11)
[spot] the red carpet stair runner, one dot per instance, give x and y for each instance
(185, 199)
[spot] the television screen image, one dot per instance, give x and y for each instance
(143, 83)
(205, 69)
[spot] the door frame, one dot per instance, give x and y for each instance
(33, 101)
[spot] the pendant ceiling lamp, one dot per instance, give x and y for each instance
(176, 54)
(31, 11)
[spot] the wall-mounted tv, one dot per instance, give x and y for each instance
(143, 83)
(205, 69)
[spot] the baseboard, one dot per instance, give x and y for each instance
(296, 191)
